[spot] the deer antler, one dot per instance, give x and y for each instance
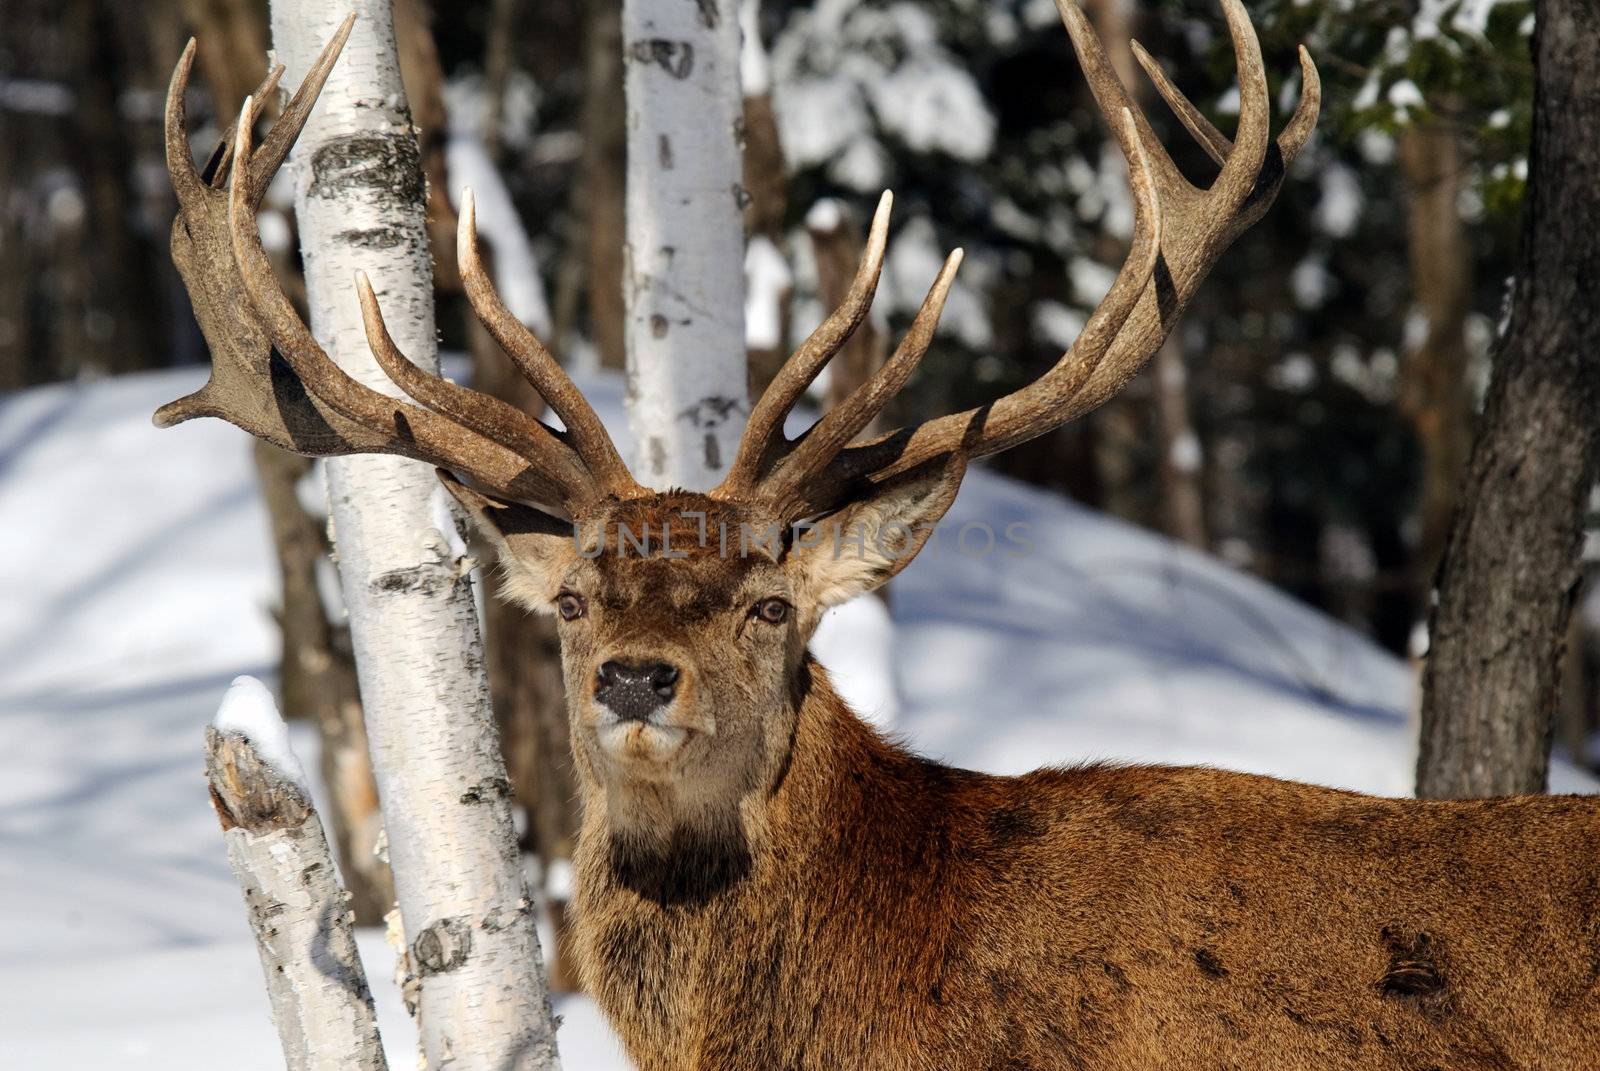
(272, 378)
(1179, 232)
(764, 433)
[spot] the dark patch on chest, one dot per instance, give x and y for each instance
(686, 870)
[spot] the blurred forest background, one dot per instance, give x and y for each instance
(1308, 422)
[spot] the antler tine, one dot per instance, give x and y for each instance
(1238, 176)
(217, 169)
(186, 182)
(483, 413)
(823, 441)
(405, 429)
(1047, 402)
(584, 429)
(275, 146)
(1212, 140)
(763, 435)
(1112, 98)
(1290, 140)
(1297, 131)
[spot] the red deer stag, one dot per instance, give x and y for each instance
(765, 882)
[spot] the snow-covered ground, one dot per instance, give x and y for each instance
(136, 582)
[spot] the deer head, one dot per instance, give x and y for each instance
(684, 616)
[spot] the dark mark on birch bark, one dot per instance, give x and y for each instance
(664, 152)
(712, 411)
(658, 325)
(674, 57)
(443, 946)
(387, 165)
(331, 953)
(710, 16)
(373, 237)
(497, 788)
(426, 578)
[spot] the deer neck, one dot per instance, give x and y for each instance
(661, 936)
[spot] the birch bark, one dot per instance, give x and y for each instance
(299, 912)
(683, 277)
(359, 197)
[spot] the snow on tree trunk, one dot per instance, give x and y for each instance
(683, 280)
(299, 911)
(441, 779)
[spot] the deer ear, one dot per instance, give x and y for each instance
(867, 542)
(535, 549)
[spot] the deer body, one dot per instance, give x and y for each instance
(766, 884)
(881, 912)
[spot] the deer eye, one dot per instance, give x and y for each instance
(570, 606)
(772, 611)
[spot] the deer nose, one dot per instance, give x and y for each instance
(635, 690)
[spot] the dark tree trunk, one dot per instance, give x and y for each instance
(523, 659)
(604, 167)
(230, 39)
(86, 272)
(1183, 511)
(1435, 392)
(497, 60)
(1510, 568)
(1578, 693)
(766, 184)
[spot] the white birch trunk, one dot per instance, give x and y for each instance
(683, 274)
(441, 779)
(299, 911)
